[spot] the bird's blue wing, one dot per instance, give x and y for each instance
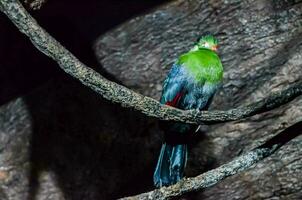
(174, 85)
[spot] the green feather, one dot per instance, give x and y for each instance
(203, 64)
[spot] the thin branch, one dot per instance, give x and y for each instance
(35, 4)
(122, 95)
(237, 165)
(207, 179)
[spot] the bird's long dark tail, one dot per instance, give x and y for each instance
(170, 165)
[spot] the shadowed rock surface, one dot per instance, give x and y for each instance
(63, 142)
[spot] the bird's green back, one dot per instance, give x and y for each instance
(203, 64)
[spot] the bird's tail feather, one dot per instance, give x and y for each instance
(171, 164)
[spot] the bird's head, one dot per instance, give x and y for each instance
(206, 42)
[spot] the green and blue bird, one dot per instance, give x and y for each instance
(191, 84)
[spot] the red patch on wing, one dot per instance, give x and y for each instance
(175, 101)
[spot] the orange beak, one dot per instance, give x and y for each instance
(214, 48)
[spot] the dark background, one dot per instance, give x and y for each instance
(75, 24)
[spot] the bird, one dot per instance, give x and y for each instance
(191, 83)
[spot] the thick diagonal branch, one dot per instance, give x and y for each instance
(237, 165)
(122, 95)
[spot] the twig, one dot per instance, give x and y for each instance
(122, 95)
(237, 165)
(35, 4)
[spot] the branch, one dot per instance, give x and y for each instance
(122, 95)
(207, 179)
(237, 165)
(35, 4)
